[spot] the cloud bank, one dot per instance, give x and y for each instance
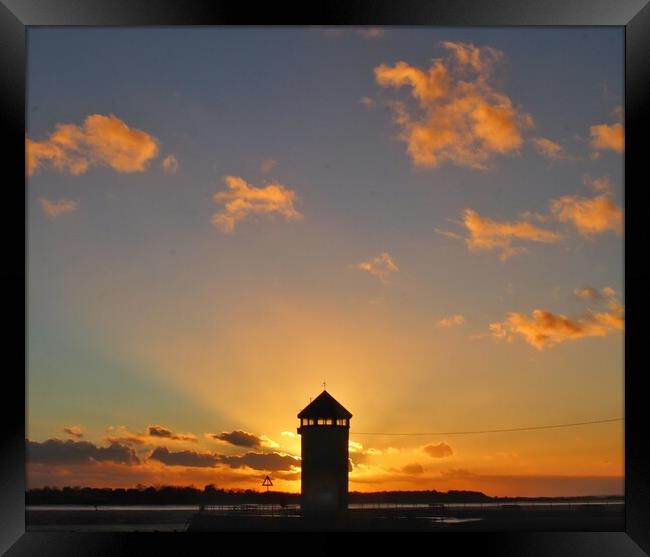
(56, 451)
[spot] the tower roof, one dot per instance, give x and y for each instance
(324, 406)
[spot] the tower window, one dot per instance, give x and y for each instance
(329, 421)
(311, 421)
(341, 421)
(321, 421)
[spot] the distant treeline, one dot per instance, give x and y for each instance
(165, 495)
(211, 495)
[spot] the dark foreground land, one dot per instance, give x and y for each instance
(585, 518)
(108, 520)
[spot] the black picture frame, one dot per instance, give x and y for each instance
(17, 15)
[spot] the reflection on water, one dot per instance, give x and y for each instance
(452, 520)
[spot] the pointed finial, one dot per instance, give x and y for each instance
(324, 385)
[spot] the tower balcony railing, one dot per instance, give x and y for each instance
(340, 422)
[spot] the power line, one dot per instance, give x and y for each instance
(532, 428)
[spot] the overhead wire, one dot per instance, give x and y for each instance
(480, 431)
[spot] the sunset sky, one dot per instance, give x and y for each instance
(430, 220)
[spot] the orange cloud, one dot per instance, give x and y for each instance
(161, 431)
(457, 115)
(122, 435)
(154, 434)
(587, 293)
(242, 200)
(170, 164)
(488, 235)
(105, 473)
(184, 458)
(449, 234)
(101, 141)
(590, 216)
(368, 102)
(441, 450)
(451, 320)
(128, 439)
(481, 59)
(381, 266)
(549, 149)
(37, 152)
(241, 438)
(53, 209)
(270, 462)
(608, 291)
(56, 451)
(267, 165)
(412, 469)
(545, 329)
(457, 474)
(605, 136)
(602, 185)
(74, 431)
(354, 446)
(590, 293)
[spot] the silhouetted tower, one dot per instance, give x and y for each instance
(324, 429)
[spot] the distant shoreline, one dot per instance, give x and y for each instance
(522, 502)
(183, 496)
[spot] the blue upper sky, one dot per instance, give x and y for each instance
(140, 301)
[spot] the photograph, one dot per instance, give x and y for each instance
(325, 278)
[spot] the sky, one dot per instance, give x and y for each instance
(429, 220)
